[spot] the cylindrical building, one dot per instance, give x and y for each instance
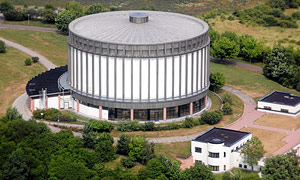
(144, 65)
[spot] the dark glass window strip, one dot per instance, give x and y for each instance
(140, 114)
(156, 114)
(172, 112)
(184, 110)
(123, 113)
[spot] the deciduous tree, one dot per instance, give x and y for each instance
(253, 151)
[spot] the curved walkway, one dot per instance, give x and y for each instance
(42, 59)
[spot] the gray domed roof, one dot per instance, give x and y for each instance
(160, 27)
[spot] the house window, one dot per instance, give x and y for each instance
(213, 155)
(224, 154)
(214, 168)
(224, 167)
(240, 165)
(245, 166)
(285, 110)
(267, 108)
(198, 150)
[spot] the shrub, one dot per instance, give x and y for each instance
(211, 117)
(127, 126)
(2, 47)
(188, 123)
(217, 81)
(227, 98)
(128, 162)
(35, 59)
(230, 18)
(123, 145)
(49, 16)
(66, 118)
(227, 109)
(6, 5)
(28, 62)
(296, 15)
(148, 126)
(101, 126)
(172, 126)
(13, 15)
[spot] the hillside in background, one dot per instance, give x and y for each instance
(192, 7)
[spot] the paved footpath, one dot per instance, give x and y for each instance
(43, 60)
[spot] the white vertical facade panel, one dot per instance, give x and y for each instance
(199, 69)
(189, 74)
(84, 73)
(153, 77)
(144, 79)
(71, 65)
(90, 73)
(103, 72)
(195, 71)
(136, 79)
(183, 75)
(75, 65)
(119, 78)
(169, 79)
(176, 76)
(127, 78)
(96, 75)
(207, 64)
(203, 68)
(79, 70)
(111, 77)
(161, 78)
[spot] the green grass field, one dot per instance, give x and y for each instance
(31, 23)
(53, 46)
(216, 105)
(254, 84)
(14, 76)
(171, 150)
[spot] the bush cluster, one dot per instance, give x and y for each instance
(137, 148)
(11, 14)
(27, 62)
(35, 59)
(128, 126)
(227, 101)
(283, 66)
(52, 114)
(229, 45)
(267, 15)
(128, 162)
(2, 47)
(211, 118)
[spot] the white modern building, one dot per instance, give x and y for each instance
(280, 103)
(220, 149)
(144, 65)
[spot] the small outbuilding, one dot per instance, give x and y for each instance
(220, 149)
(280, 103)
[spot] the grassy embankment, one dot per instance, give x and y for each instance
(268, 35)
(53, 46)
(14, 76)
(31, 23)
